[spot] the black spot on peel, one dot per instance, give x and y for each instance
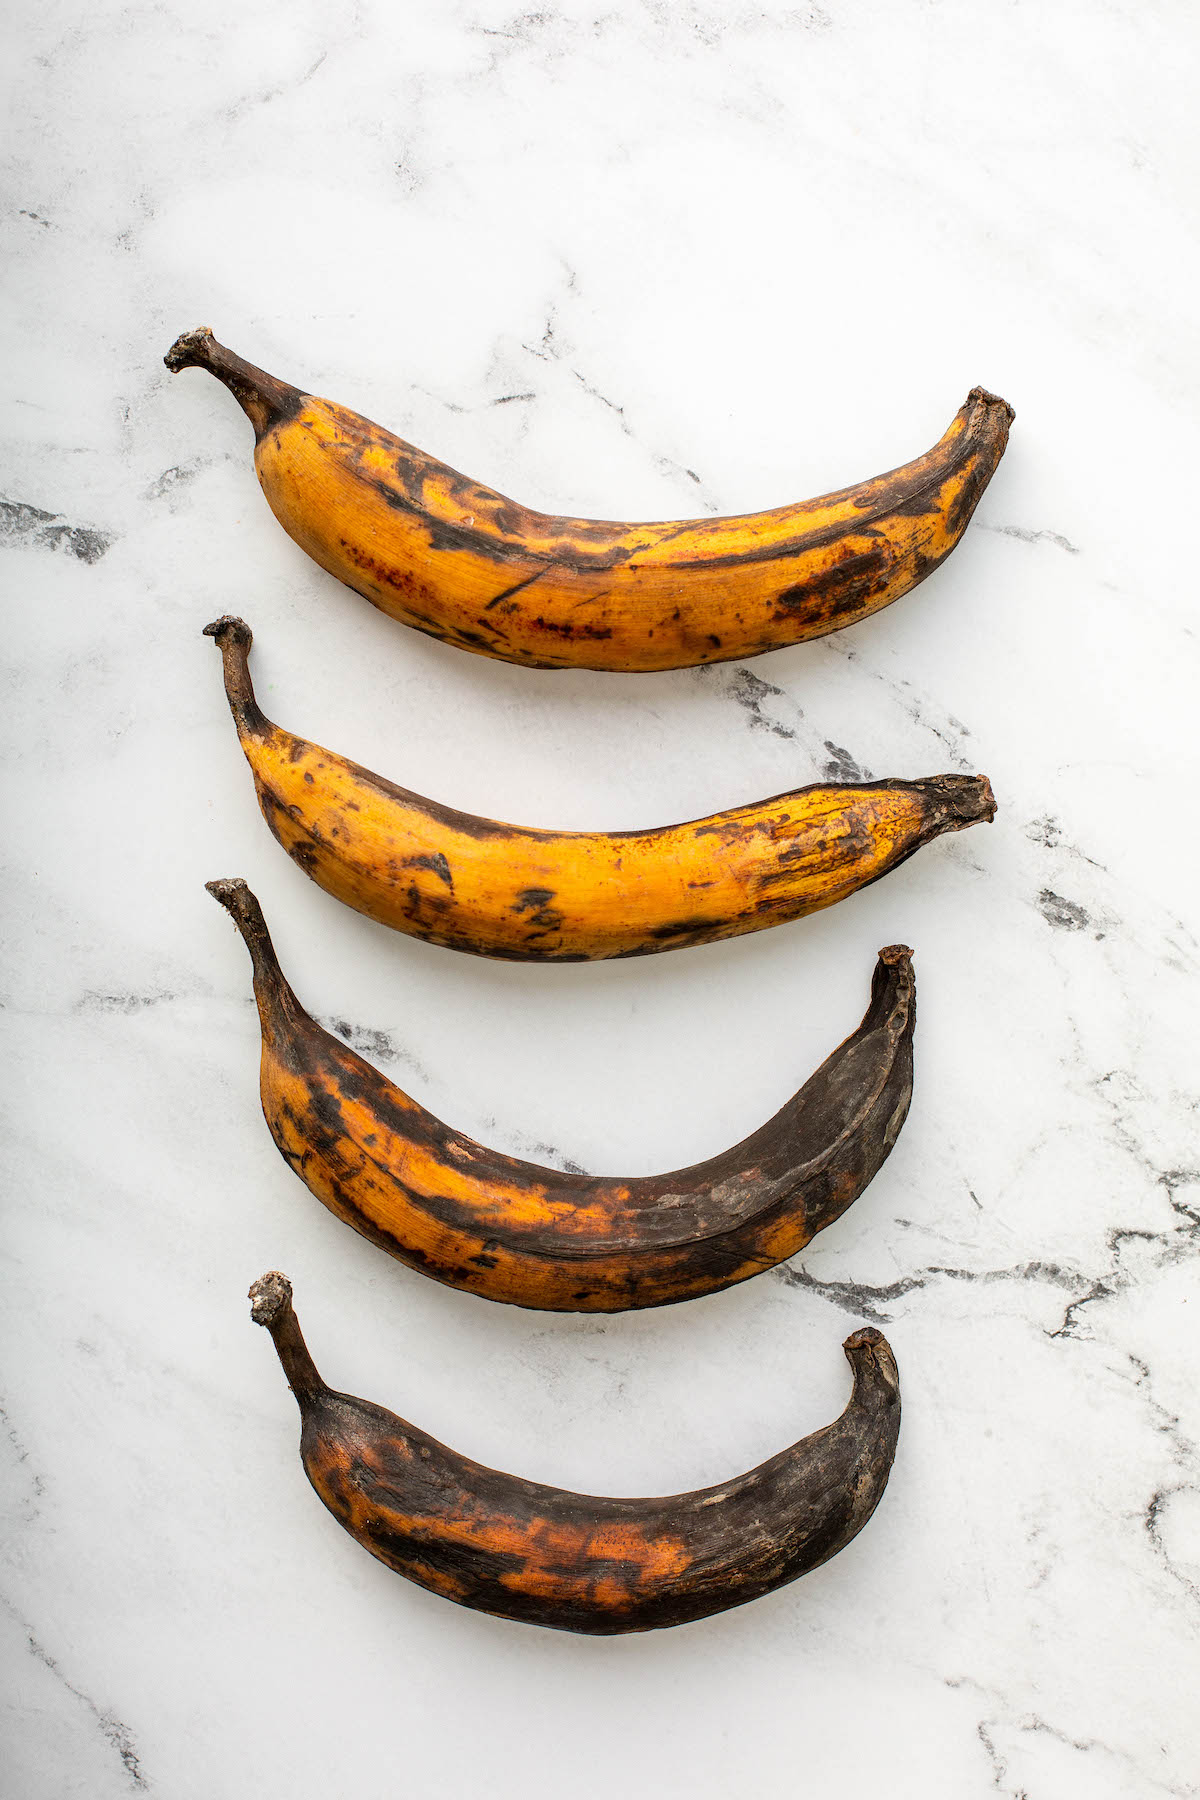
(684, 931)
(919, 505)
(436, 864)
(564, 628)
(842, 587)
(531, 899)
(326, 1125)
(958, 513)
(516, 588)
(533, 904)
(402, 1548)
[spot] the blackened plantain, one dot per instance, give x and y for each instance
(578, 1562)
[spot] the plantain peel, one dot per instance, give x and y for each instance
(579, 1562)
(451, 558)
(553, 896)
(508, 1230)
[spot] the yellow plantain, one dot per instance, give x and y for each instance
(456, 560)
(512, 1231)
(561, 896)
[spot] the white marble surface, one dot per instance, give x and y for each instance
(638, 259)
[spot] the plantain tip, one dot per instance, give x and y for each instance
(269, 1296)
(961, 800)
(227, 889)
(867, 1346)
(985, 801)
(229, 629)
(190, 350)
(896, 956)
(982, 397)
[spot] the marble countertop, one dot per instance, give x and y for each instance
(641, 260)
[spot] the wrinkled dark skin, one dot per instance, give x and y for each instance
(581, 1562)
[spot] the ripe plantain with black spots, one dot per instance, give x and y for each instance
(526, 895)
(462, 563)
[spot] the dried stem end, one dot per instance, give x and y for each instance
(231, 891)
(271, 1295)
(961, 800)
(191, 350)
(893, 988)
(230, 629)
(869, 1353)
(981, 397)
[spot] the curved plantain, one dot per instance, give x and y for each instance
(559, 896)
(577, 1562)
(464, 564)
(512, 1231)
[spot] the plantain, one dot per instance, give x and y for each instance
(455, 560)
(577, 1562)
(558, 896)
(509, 1230)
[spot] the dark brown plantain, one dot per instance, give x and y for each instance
(512, 1231)
(578, 1562)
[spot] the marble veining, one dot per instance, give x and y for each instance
(644, 260)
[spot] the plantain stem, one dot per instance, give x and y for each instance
(265, 400)
(271, 1305)
(233, 638)
(272, 991)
